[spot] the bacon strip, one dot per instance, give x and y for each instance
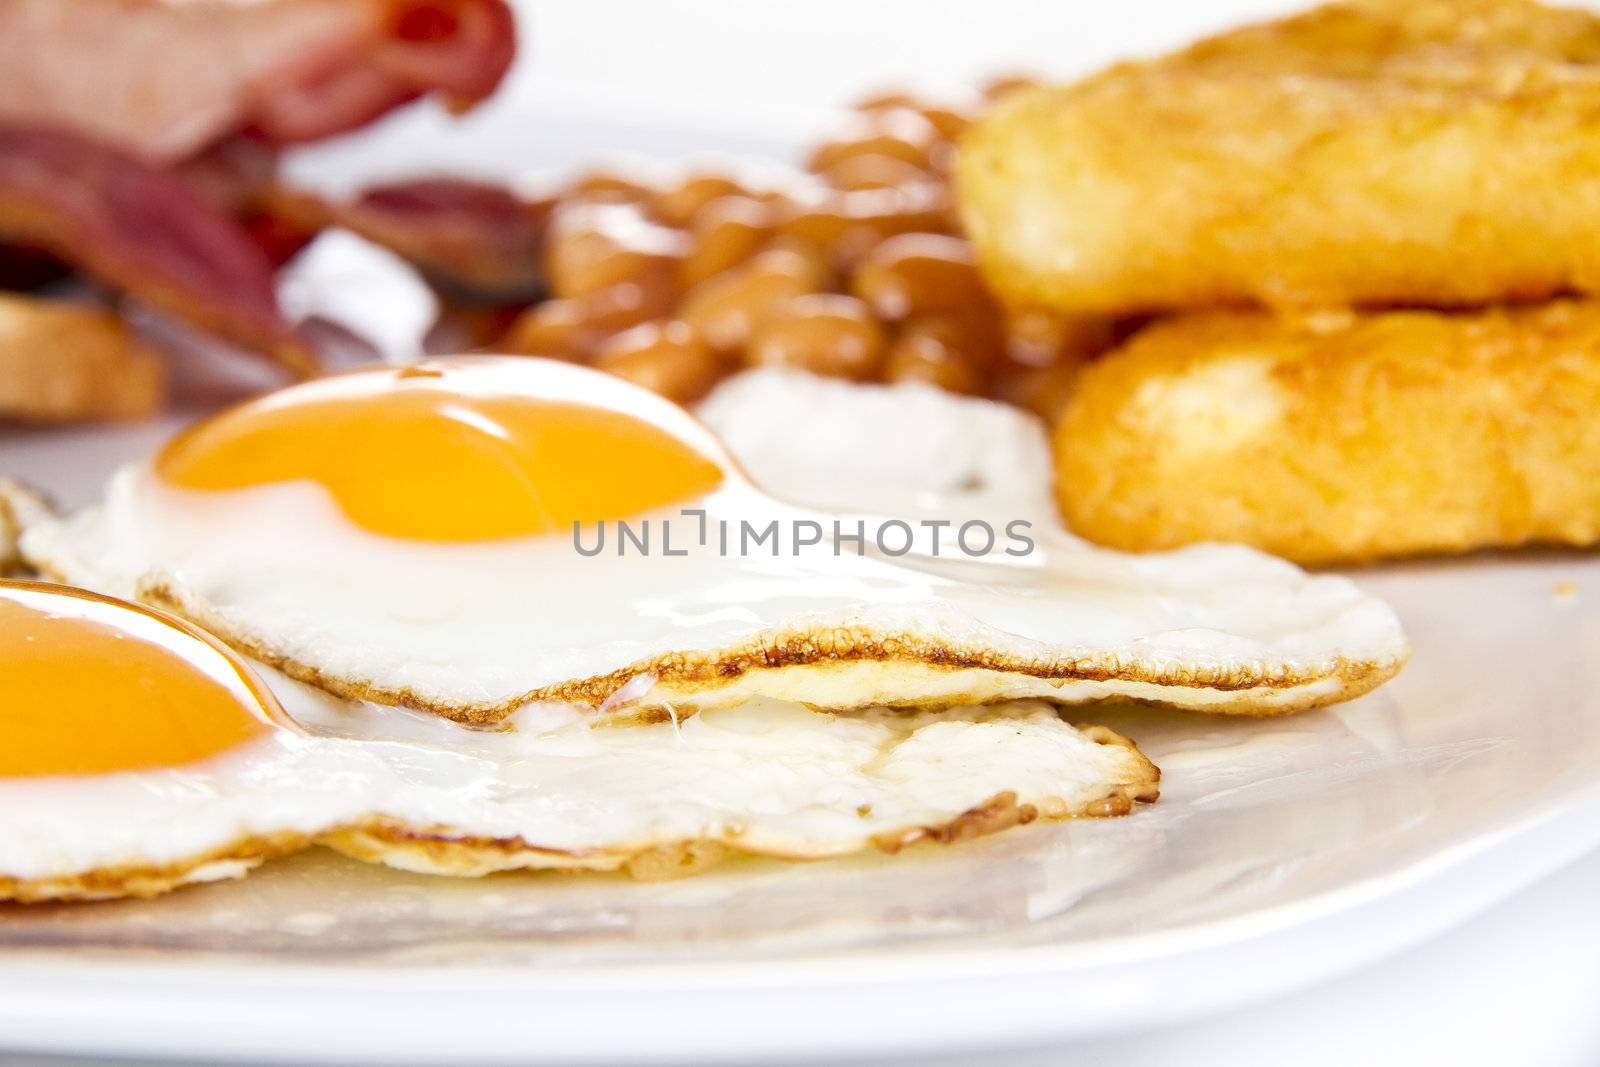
(457, 48)
(473, 240)
(145, 230)
(168, 79)
(111, 112)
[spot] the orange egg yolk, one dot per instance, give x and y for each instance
(80, 694)
(409, 459)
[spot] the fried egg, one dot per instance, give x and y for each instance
(471, 536)
(142, 755)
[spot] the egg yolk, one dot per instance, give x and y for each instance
(409, 459)
(80, 694)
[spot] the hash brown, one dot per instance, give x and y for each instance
(1342, 436)
(1374, 152)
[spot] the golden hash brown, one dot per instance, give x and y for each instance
(1342, 436)
(1378, 152)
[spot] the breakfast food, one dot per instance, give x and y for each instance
(138, 140)
(142, 229)
(1442, 153)
(63, 362)
(855, 268)
(473, 240)
(1342, 436)
(495, 612)
(908, 449)
(450, 537)
(766, 778)
(101, 701)
(1367, 154)
(141, 755)
(10, 530)
(288, 70)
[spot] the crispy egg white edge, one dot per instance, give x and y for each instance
(1327, 639)
(249, 781)
(769, 778)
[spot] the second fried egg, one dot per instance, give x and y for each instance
(140, 755)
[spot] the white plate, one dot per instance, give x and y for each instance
(1283, 851)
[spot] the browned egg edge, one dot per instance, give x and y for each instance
(439, 851)
(150, 880)
(691, 676)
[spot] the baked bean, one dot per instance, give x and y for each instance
(726, 232)
(1041, 390)
(727, 308)
(673, 286)
(824, 333)
(919, 273)
(950, 121)
(896, 132)
(573, 327)
(976, 338)
(595, 246)
(847, 225)
(1006, 84)
(871, 172)
(923, 356)
(665, 356)
(678, 205)
(610, 187)
(887, 100)
(801, 258)
(651, 295)
(783, 197)
(1037, 338)
(556, 329)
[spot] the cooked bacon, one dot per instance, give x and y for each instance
(168, 79)
(143, 229)
(23, 269)
(473, 240)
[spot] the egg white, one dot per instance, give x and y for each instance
(168, 827)
(767, 779)
(905, 449)
(558, 791)
(473, 631)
